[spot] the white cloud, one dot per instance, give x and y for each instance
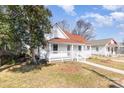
(99, 20)
(104, 20)
(68, 9)
(113, 7)
(118, 16)
(121, 33)
(118, 11)
(121, 26)
(121, 29)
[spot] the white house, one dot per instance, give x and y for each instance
(105, 47)
(63, 45)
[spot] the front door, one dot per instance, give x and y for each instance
(68, 48)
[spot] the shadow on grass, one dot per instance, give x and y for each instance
(113, 86)
(30, 67)
(103, 76)
(2, 68)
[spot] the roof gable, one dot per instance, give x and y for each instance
(102, 42)
(58, 33)
(70, 38)
(112, 42)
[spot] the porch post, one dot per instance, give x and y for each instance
(113, 50)
(110, 51)
(105, 51)
(49, 51)
(72, 51)
(62, 56)
(90, 50)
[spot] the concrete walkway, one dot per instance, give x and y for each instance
(104, 67)
(118, 60)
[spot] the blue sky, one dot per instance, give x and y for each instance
(108, 21)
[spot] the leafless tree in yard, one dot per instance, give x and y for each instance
(85, 29)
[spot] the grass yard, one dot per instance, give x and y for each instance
(107, 62)
(68, 74)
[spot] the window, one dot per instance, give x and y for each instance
(97, 49)
(55, 47)
(68, 48)
(108, 48)
(79, 48)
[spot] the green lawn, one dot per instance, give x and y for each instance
(107, 62)
(68, 74)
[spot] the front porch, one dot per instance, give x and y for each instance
(111, 50)
(105, 50)
(63, 52)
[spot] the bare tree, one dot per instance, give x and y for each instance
(64, 25)
(85, 29)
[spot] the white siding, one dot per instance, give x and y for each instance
(62, 47)
(55, 33)
(75, 47)
(101, 50)
(121, 50)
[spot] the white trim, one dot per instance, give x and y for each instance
(110, 41)
(66, 43)
(62, 31)
(72, 50)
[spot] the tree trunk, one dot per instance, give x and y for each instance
(33, 56)
(38, 51)
(0, 62)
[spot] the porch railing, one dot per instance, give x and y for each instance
(68, 55)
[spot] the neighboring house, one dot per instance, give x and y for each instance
(105, 47)
(63, 45)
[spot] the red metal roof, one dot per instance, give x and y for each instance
(73, 38)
